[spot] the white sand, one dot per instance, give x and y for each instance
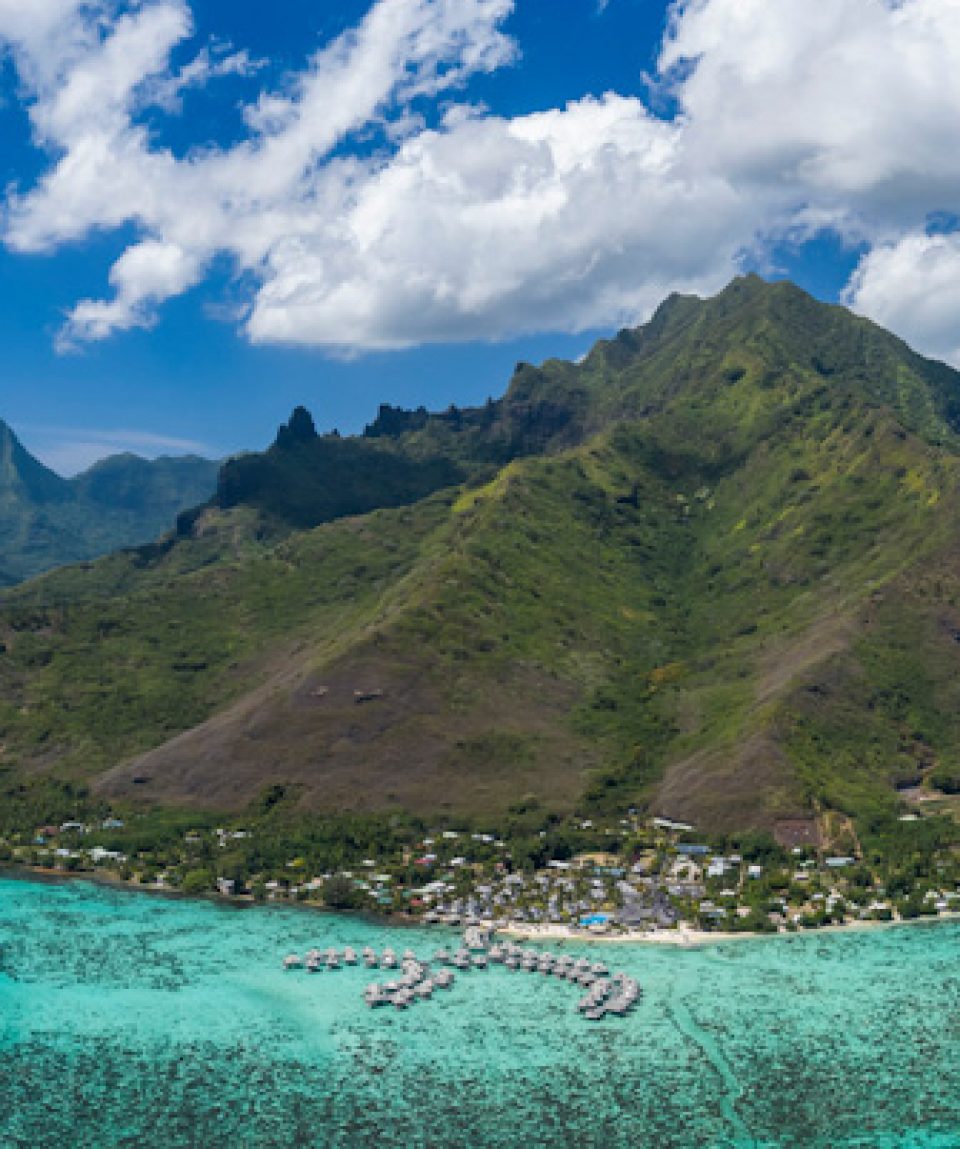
(687, 936)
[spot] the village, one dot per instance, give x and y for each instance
(632, 877)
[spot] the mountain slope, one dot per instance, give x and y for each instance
(711, 571)
(47, 521)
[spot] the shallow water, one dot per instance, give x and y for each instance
(132, 1020)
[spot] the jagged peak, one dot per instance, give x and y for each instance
(20, 471)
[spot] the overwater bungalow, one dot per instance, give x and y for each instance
(375, 995)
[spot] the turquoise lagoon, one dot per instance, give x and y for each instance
(133, 1020)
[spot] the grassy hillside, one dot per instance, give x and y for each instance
(710, 571)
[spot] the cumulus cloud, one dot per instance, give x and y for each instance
(913, 287)
(791, 118)
(565, 219)
(845, 104)
(144, 275)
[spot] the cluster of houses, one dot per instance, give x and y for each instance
(663, 879)
(591, 891)
(72, 857)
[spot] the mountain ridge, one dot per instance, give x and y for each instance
(707, 572)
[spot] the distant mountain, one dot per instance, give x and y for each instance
(711, 572)
(47, 521)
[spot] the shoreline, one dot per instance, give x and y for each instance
(687, 937)
(234, 901)
(683, 937)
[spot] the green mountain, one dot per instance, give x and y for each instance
(711, 571)
(47, 521)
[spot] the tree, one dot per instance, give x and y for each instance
(197, 882)
(339, 893)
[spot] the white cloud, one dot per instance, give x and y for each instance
(143, 276)
(912, 286)
(848, 105)
(793, 117)
(566, 219)
(166, 90)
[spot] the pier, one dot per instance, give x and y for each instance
(414, 979)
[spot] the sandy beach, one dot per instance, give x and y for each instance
(686, 936)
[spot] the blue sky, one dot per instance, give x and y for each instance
(217, 209)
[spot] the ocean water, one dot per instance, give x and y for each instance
(132, 1020)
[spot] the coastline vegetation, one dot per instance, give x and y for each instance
(538, 869)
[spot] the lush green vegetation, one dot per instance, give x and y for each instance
(709, 572)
